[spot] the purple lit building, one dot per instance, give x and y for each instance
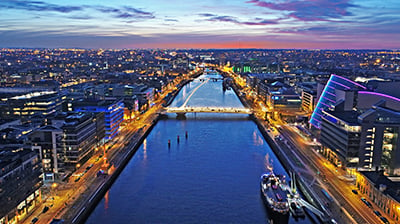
(336, 89)
(359, 128)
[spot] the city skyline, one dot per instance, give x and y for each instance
(309, 24)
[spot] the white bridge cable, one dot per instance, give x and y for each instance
(187, 100)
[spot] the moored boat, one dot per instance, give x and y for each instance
(275, 193)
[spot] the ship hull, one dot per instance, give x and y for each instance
(273, 215)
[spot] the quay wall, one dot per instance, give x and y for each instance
(99, 194)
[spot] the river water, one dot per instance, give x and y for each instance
(212, 176)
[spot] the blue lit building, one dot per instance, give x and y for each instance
(113, 113)
(336, 89)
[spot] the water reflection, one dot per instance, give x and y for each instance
(258, 140)
(210, 177)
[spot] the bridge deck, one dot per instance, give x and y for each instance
(208, 110)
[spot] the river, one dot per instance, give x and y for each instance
(212, 176)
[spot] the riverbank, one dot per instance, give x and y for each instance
(80, 209)
(89, 199)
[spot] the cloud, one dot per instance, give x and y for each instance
(37, 6)
(171, 20)
(231, 19)
(125, 12)
(310, 10)
(206, 14)
(80, 17)
(116, 12)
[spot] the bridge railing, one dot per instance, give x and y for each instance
(208, 110)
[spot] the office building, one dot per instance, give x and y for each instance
(79, 138)
(113, 113)
(20, 183)
(37, 103)
(330, 96)
(364, 136)
(47, 142)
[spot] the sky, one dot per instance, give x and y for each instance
(270, 24)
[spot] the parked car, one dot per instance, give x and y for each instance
(57, 221)
(34, 220)
(366, 202)
(45, 209)
(354, 191)
(88, 167)
(384, 220)
(377, 213)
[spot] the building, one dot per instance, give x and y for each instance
(282, 97)
(20, 183)
(382, 190)
(79, 138)
(308, 96)
(42, 103)
(47, 142)
(361, 131)
(113, 111)
(340, 137)
(380, 139)
(330, 96)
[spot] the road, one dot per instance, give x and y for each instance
(339, 188)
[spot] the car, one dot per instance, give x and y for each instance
(34, 220)
(45, 209)
(88, 167)
(354, 191)
(366, 202)
(384, 220)
(377, 213)
(57, 221)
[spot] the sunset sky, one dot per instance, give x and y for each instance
(310, 24)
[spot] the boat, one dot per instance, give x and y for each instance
(297, 210)
(275, 193)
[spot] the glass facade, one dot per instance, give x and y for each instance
(328, 97)
(113, 115)
(388, 145)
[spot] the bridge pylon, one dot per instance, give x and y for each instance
(181, 115)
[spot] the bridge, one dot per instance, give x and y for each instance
(184, 109)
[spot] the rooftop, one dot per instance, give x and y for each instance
(350, 117)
